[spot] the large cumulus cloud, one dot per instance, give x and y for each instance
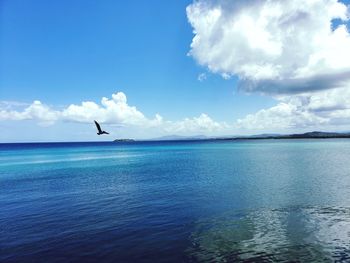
(273, 46)
(295, 51)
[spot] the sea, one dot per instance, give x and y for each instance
(176, 201)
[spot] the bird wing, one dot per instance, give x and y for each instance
(98, 126)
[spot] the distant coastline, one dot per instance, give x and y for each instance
(198, 138)
(307, 135)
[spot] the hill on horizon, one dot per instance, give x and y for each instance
(313, 134)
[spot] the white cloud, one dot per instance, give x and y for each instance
(114, 111)
(36, 110)
(111, 111)
(329, 108)
(265, 42)
(291, 50)
(203, 123)
(282, 116)
(201, 77)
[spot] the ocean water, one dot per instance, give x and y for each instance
(228, 201)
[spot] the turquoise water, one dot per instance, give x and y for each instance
(238, 201)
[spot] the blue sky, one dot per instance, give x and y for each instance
(66, 52)
(63, 52)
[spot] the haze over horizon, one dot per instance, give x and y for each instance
(146, 70)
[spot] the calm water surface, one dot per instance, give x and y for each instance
(240, 201)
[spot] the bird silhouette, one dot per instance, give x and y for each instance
(100, 132)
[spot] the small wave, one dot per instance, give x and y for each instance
(74, 159)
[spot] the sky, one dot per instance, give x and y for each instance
(146, 69)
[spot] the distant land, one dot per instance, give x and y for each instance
(179, 138)
(124, 140)
(307, 135)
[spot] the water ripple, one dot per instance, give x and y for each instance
(309, 234)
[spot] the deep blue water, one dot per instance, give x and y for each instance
(254, 201)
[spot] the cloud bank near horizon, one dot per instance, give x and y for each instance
(323, 109)
(113, 111)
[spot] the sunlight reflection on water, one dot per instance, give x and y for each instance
(310, 234)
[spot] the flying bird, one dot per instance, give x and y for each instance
(99, 129)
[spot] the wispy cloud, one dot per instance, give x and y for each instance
(202, 77)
